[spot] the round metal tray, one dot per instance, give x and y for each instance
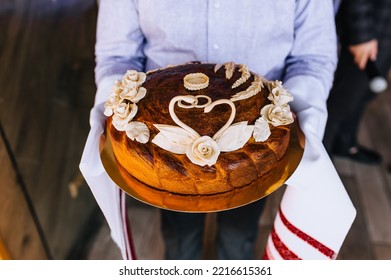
(205, 203)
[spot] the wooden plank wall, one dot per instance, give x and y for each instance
(19, 237)
(46, 91)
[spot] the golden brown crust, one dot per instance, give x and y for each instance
(212, 202)
(174, 173)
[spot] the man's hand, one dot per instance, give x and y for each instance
(364, 51)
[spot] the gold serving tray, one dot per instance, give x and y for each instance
(206, 203)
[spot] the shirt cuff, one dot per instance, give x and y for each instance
(309, 103)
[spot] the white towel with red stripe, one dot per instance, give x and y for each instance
(316, 213)
(110, 198)
(288, 242)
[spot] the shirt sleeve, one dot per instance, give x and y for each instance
(119, 44)
(311, 63)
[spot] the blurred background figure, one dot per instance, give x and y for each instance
(364, 30)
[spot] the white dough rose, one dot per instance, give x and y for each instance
(203, 151)
(133, 94)
(123, 114)
(133, 78)
(114, 99)
(277, 115)
(279, 95)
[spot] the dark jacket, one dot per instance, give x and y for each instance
(359, 21)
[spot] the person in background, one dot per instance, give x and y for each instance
(292, 41)
(364, 32)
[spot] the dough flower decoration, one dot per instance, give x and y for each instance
(123, 114)
(114, 99)
(133, 78)
(122, 105)
(279, 95)
(201, 150)
(277, 113)
(133, 94)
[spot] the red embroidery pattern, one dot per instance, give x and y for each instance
(306, 238)
(130, 252)
(284, 251)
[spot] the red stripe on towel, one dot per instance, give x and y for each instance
(306, 238)
(282, 249)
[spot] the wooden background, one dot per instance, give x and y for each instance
(46, 92)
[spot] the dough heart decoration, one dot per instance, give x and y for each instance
(201, 150)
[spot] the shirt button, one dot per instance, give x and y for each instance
(216, 47)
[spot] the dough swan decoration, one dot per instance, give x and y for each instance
(201, 150)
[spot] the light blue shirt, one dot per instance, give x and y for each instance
(289, 40)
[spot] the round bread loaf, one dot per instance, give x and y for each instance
(155, 119)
